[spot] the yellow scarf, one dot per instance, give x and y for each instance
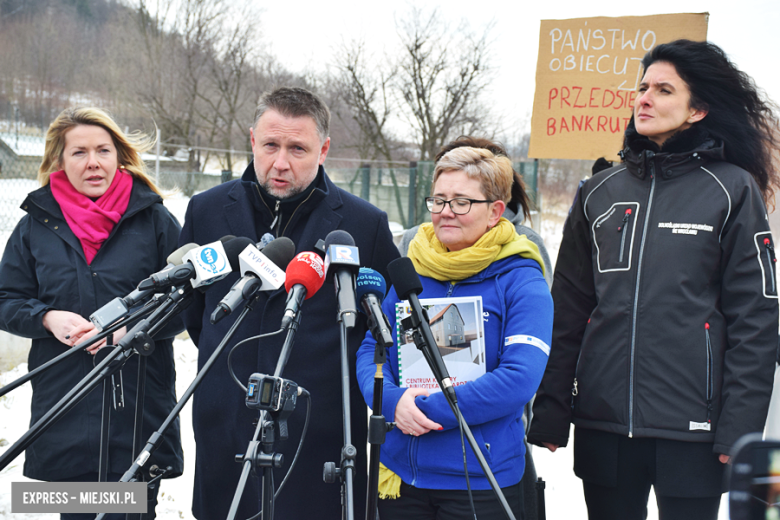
(431, 258)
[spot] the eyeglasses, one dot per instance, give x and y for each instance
(459, 206)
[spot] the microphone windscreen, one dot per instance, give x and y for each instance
(306, 269)
(233, 248)
(227, 238)
(280, 251)
(339, 238)
(370, 282)
(266, 239)
(405, 279)
(175, 258)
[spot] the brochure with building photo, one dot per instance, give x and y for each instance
(457, 327)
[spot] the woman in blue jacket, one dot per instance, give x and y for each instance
(95, 228)
(467, 250)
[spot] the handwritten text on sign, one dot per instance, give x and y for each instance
(586, 79)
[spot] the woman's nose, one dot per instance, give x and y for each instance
(447, 210)
(92, 162)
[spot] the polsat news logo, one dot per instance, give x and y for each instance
(314, 260)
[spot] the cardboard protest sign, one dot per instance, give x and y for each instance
(586, 79)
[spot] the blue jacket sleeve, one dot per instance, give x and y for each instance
(523, 351)
(366, 369)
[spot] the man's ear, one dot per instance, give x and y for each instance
(324, 150)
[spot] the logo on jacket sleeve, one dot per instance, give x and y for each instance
(528, 340)
(705, 426)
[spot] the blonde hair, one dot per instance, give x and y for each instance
(128, 147)
(494, 172)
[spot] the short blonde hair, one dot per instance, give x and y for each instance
(494, 172)
(128, 147)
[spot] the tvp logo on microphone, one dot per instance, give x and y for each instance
(211, 264)
(253, 261)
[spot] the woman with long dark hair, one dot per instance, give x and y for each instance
(665, 294)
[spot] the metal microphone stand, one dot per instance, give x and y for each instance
(82, 346)
(261, 453)
(346, 469)
(377, 430)
(137, 340)
(425, 342)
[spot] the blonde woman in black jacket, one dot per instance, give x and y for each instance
(93, 230)
(666, 310)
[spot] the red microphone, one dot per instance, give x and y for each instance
(304, 276)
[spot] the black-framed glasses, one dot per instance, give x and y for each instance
(459, 206)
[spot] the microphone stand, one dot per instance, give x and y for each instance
(377, 430)
(261, 453)
(82, 346)
(156, 438)
(425, 342)
(138, 340)
(345, 471)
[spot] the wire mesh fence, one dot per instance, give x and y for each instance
(398, 188)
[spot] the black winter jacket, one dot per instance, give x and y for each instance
(665, 301)
(44, 268)
(222, 422)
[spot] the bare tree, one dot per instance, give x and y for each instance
(431, 87)
(442, 73)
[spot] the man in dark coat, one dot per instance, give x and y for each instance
(286, 192)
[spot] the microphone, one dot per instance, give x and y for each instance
(370, 289)
(408, 286)
(266, 239)
(119, 307)
(202, 266)
(341, 265)
(305, 276)
(261, 272)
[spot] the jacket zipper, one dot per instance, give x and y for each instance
(413, 459)
(709, 371)
(574, 389)
(769, 262)
(650, 156)
(622, 230)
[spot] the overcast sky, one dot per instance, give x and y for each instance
(307, 35)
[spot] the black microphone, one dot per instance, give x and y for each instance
(407, 285)
(278, 253)
(371, 288)
(120, 307)
(341, 265)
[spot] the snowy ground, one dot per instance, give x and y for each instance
(563, 493)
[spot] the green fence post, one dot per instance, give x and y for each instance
(365, 188)
(412, 194)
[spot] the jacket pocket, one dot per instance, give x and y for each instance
(766, 259)
(613, 235)
(710, 382)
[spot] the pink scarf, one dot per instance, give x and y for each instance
(92, 221)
